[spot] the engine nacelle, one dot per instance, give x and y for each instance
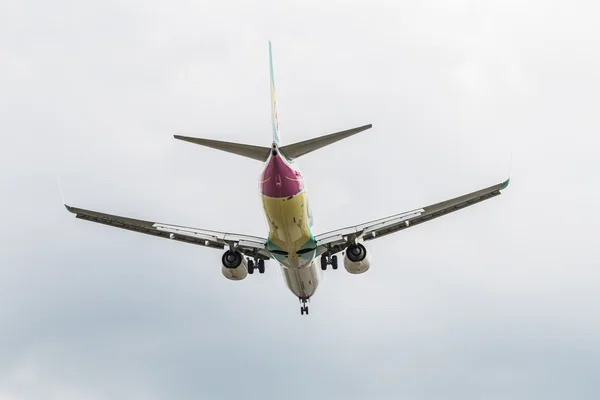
(234, 265)
(357, 259)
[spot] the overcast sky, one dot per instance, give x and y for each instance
(497, 301)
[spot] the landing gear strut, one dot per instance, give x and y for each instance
(260, 265)
(304, 307)
(331, 260)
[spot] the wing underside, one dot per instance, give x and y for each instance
(336, 241)
(250, 246)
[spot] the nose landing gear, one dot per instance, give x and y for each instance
(304, 307)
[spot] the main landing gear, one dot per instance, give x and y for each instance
(260, 265)
(331, 260)
(304, 307)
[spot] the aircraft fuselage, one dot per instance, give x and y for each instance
(288, 215)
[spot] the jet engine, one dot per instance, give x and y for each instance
(234, 265)
(357, 259)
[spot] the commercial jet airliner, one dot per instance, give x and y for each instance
(301, 255)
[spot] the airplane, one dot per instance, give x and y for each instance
(301, 255)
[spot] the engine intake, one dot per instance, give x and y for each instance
(234, 265)
(358, 259)
(232, 259)
(356, 252)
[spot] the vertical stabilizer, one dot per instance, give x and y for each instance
(274, 115)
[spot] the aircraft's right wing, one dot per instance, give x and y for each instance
(250, 246)
(336, 241)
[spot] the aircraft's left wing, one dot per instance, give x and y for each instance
(250, 246)
(336, 241)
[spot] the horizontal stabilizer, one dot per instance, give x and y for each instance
(299, 149)
(255, 152)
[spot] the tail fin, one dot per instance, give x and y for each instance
(274, 115)
(291, 151)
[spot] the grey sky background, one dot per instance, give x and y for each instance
(499, 301)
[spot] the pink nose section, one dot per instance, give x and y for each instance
(278, 180)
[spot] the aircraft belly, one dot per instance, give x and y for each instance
(302, 282)
(290, 239)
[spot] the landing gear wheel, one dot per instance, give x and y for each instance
(334, 263)
(261, 266)
(251, 267)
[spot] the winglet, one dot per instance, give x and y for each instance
(69, 208)
(507, 181)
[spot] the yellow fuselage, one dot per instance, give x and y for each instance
(286, 208)
(289, 228)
